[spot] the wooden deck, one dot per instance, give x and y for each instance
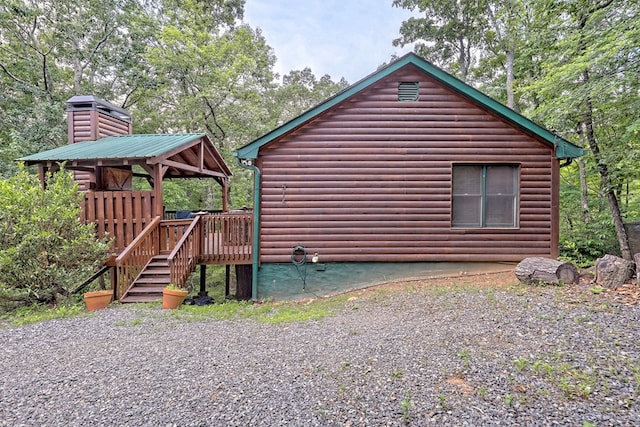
(167, 251)
(227, 239)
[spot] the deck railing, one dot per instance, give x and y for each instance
(227, 238)
(131, 262)
(183, 257)
(171, 232)
(121, 214)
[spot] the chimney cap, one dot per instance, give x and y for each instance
(90, 102)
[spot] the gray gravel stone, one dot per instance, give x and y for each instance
(421, 357)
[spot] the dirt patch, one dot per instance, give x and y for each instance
(495, 279)
(460, 384)
(584, 292)
(587, 290)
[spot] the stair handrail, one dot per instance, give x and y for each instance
(136, 256)
(182, 258)
(95, 275)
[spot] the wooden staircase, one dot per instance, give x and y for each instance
(168, 251)
(148, 286)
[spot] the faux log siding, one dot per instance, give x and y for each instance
(89, 126)
(371, 181)
(92, 125)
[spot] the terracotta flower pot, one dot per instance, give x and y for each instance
(98, 300)
(173, 298)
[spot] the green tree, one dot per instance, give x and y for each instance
(300, 91)
(45, 251)
(51, 50)
(448, 33)
(588, 87)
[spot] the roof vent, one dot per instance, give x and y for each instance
(408, 91)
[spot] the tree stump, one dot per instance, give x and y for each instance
(636, 258)
(545, 270)
(613, 272)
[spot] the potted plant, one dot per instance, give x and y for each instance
(97, 300)
(173, 296)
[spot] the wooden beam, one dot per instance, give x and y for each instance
(201, 156)
(225, 195)
(176, 150)
(41, 175)
(157, 188)
(215, 156)
(193, 169)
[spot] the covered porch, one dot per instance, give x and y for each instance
(151, 247)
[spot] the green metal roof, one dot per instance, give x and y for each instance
(116, 147)
(563, 148)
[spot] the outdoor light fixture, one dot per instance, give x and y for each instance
(314, 259)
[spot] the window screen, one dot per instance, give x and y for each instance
(484, 196)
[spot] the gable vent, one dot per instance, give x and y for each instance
(408, 91)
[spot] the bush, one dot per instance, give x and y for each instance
(45, 250)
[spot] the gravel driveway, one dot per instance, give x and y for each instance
(419, 356)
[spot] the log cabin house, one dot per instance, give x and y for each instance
(407, 166)
(152, 248)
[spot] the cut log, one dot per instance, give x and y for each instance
(545, 270)
(612, 272)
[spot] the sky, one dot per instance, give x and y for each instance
(342, 38)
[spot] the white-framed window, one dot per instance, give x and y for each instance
(484, 196)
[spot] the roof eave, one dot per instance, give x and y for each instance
(563, 148)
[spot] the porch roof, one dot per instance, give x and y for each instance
(188, 155)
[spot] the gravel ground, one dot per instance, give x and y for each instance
(417, 355)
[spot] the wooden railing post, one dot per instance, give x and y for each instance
(184, 256)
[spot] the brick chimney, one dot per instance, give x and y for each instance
(88, 119)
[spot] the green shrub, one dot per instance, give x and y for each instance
(45, 250)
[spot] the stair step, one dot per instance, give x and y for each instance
(156, 271)
(141, 298)
(150, 285)
(139, 290)
(153, 280)
(157, 265)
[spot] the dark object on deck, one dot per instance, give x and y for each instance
(203, 300)
(184, 214)
(535, 270)
(613, 272)
(243, 280)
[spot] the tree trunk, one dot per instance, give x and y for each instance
(535, 270)
(621, 233)
(623, 239)
(511, 99)
(584, 199)
(613, 272)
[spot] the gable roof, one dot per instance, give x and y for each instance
(563, 148)
(181, 152)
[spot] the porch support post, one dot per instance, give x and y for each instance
(203, 280)
(225, 195)
(227, 279)
(41, 175)
(158, 173)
